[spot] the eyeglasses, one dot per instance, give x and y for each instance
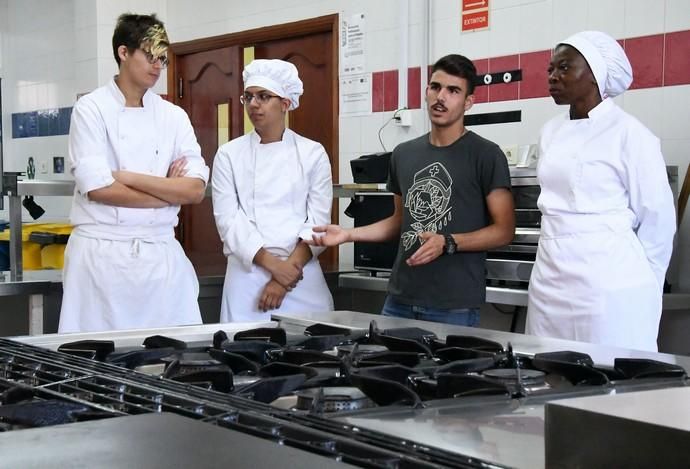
(261, 98)
(150, 58)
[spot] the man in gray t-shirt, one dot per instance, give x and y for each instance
(452, 204)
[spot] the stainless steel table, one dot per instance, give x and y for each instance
(497, 295)
(364, 281)
(35, 284)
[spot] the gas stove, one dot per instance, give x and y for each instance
(373, 392)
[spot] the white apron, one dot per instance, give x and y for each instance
(592, 281)
(242, 289)
(278, 210)
(133, 284)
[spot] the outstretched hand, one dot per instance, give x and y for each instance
(328, 235)
(178, 168)
(431, 248)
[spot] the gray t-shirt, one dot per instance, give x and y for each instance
(444, 190)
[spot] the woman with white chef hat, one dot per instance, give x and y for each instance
(269, 188)
(608, 218)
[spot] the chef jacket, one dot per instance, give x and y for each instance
(246, 215)
(107, 136)
(608, 222)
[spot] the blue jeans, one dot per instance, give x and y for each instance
(458, 316)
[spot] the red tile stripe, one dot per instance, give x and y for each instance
(658, 60)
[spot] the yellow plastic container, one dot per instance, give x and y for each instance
(33, 255)
(53, 256)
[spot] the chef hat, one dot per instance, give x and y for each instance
(275, 75)
(606, 58)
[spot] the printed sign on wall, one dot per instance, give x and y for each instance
(475, 15)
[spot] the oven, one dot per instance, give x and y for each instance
(366, 208)
(511, 265)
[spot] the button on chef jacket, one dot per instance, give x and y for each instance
(123, 267)
(607, 231)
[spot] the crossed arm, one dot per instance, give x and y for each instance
(284, 274)
(136, 190)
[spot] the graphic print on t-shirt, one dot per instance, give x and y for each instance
(428, 202)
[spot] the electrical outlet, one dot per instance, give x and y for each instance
(43, 167)
(511, 153)
(403, 118)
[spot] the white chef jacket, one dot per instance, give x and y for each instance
(106, 136)
(270, 196)
(608, 223)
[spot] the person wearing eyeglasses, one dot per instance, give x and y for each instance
(270, 187)
(135, 160)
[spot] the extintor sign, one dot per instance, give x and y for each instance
(475, 15)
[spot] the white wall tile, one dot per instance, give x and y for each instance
(474, 45)
(445, 9)
(85, 43)
(644, 105)
(445, 38)
(380, 15)
(677, 15)
(535, 28)
(643, 18)
(504, 36)
(676, 116)
(107, 68)
(104, 41)
(86, 76)
(370, 126)
(85, 13)
(568, 18)
(607, 16)
(350, 130)
(415, 45)
(344, 170)
(535, 113)
(382, 50)
(501, 134)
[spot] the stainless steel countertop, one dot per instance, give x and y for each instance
(135, 337)
(33, 282)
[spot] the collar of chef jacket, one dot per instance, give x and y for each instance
(147, 99)
(289, 137)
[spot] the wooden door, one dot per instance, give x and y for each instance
(315, 117)
(208, 88)
(210, 70)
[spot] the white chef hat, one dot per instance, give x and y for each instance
(606, 58)
(275, 75)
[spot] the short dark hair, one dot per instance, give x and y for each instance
(131, 30)
(459, 66)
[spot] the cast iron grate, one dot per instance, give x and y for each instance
(119, 391)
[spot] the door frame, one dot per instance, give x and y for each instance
(327, 23)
